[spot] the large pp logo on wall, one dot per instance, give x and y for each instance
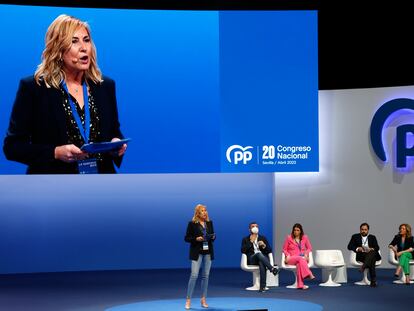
(403, 150)
(236, 154)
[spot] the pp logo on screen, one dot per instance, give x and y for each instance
(403, 150)
(237, 153)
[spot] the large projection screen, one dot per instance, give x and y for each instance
(197, 91)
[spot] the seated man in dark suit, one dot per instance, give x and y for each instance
(256, 247)
(366, 247)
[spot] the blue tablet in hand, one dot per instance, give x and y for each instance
(105, 146)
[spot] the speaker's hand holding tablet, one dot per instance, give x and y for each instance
(121, 150)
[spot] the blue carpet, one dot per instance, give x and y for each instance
(103, 290)
(221, 304)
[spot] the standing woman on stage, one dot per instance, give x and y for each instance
(200, 234)
(296, 249)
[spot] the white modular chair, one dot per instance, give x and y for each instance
(271, 279)
(392, 260)
(292, 268)
(355, 263)
(329, 260)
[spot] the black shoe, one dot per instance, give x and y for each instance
(275, 271)
(373, 284)
(397, 276)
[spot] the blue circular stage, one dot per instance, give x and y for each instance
(221, 304)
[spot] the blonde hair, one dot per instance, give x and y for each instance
(58, 40)
(197, 211)
(407, 229)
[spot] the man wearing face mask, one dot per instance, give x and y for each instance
(256, 247)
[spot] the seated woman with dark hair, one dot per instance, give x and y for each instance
(296, 249)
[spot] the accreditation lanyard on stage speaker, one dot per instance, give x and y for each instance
(87, 166)
(205, 243)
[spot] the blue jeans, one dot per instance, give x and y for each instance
(195, 268)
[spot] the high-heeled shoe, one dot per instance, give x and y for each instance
(204, 303)
(188, 304)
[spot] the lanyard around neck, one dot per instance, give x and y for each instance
(299, 244)
(365, 241)
(204, 229)
(84, 131)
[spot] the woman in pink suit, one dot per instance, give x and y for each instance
(296, 249)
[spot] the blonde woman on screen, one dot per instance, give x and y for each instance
(66, 103)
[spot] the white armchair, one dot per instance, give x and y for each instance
(292, 268)
(392, 260)
(355, 263)
(271, 280)
(329, 260)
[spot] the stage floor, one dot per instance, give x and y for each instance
(165, 290)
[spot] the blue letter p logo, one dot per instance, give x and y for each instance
(402, 151)
(377, 125)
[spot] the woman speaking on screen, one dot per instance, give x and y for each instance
(65, 105)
